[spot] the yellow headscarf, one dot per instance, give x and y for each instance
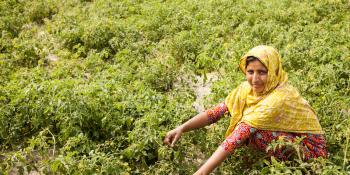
(278, 108)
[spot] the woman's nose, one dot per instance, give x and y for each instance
(256, 77)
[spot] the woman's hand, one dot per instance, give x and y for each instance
(173, 136)
(197, 121)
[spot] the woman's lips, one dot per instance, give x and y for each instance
(257, 85)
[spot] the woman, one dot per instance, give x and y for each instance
(262, 109)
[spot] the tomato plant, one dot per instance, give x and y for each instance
(93, 86)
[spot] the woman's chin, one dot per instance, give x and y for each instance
(258, 90)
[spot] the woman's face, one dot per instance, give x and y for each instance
(256, 74)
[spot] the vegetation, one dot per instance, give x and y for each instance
(93, 86)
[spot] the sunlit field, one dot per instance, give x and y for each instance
(92, 87)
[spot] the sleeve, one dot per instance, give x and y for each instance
(238, 137)
(217, 112)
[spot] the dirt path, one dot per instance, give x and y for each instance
(202, 89)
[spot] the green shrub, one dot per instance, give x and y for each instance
(121, 73)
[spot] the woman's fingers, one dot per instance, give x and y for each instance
(172, 137)
(176, 138)
(168, 139)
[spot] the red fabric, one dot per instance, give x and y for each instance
(217, 112)
(313, 145)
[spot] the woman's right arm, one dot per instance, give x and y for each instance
(198, 121)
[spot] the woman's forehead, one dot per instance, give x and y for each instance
(256, 65)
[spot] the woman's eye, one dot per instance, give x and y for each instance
(250, 72)
(262, 72)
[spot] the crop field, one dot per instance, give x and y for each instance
(93, 86)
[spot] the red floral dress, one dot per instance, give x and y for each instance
(313, 145)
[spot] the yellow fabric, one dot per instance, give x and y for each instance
(278, 108)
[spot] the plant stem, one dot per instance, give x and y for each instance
(54, 142)
(346, 148)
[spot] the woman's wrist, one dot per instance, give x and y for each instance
(182, 128)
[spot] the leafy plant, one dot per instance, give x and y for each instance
(93, 86)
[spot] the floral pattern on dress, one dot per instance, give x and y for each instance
(313, 145)
(216, 113)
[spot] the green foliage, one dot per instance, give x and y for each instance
(92, 86)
